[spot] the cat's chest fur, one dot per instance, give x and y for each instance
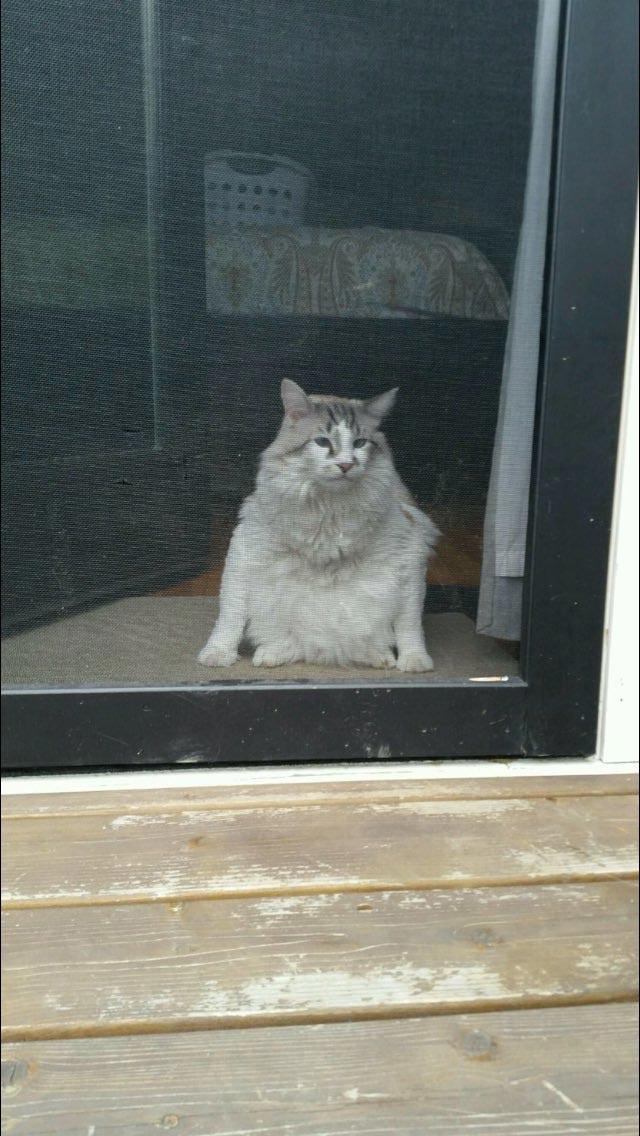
(328, 590)
(319, 538)
(326, 571)
(324, 538)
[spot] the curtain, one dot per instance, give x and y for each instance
(505, 526)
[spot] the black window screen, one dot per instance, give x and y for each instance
(200, 200)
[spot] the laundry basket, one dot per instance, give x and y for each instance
(255, 189)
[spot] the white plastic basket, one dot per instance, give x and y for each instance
(254, 189)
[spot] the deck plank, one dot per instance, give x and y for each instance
(288, 791)
(558, 1072)
(199, 853)
(174, 966)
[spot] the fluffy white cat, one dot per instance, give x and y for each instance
(327, 563)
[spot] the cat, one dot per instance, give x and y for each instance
(327, 563)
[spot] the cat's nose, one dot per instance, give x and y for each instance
(345, 466)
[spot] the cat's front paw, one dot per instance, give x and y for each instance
(414, 661)
(274, 655)
(217, 655)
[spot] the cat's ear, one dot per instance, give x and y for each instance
(295, 402)
(378, 407)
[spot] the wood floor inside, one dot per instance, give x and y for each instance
(420, 957)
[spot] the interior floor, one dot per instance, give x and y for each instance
(152, 640)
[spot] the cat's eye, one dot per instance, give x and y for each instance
(321, 441)
(359, 442)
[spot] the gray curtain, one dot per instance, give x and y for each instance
(505, 526)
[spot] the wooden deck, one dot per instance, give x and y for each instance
(417, 957)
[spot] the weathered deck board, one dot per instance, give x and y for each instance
(158, 915)
(559, 1072)
(305, 793)
(199, 853)
(174, 966)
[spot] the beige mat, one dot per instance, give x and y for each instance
(152, 641)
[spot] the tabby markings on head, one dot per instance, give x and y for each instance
(340, 412)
